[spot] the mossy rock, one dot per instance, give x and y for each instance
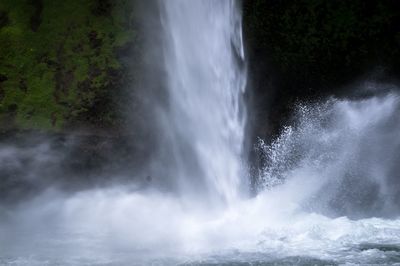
(56, 58)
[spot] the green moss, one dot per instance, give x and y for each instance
(55, 71)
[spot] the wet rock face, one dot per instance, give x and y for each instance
(102, 7)
(4, 20)
(2, 79)
(36, 18)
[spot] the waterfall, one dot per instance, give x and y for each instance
(326, 185)
(204, 119)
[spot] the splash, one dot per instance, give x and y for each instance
(349, 148)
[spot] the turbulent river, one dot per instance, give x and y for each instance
(327, 190)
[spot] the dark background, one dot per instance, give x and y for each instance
(305, 50)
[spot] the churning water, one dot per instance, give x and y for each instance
(328, 189)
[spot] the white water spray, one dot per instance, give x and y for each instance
(348, 150)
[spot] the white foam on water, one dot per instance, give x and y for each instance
(116, 226)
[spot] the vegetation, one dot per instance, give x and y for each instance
(58, 61)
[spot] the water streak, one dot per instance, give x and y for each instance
(205, 118)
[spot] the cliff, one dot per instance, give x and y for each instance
(64, 64)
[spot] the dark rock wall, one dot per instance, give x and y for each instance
(306, 49)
